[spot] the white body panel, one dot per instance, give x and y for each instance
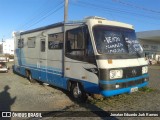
(122, 63)
(77, 70)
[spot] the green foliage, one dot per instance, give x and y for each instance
(9, 56)
(122, 100)
(146, 89)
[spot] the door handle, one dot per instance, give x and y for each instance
(67, 68)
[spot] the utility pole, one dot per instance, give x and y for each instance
(65, 11)
(64, 36)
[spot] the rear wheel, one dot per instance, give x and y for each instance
(29, 76)
(78, 93)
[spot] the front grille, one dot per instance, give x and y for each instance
(132, 72)
(133, 83)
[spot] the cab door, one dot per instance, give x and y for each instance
(79, 54)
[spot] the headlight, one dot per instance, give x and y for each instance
(144, 69)
(116, 74)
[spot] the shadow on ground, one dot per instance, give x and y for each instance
(6, 101)
(76, 110)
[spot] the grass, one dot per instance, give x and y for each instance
(118, 100)
(146, 89)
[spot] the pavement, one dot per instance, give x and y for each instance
(154, 76)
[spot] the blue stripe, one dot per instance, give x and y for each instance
(43, 70)
(123, 80)
(108, 93)
(91, 87)
(47, 77)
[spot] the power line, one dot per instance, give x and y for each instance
(108, 10)
(35, 16)
(113, 10)
(135, 6)
(42, 15)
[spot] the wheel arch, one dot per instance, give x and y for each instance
(73, 81)
(27, 71)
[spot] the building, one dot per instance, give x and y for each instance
(1, 48)
(150, 41)
(7, 47)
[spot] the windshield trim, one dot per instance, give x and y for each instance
(117, 56)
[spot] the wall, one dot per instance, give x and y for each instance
(151, 48)
(8, 46)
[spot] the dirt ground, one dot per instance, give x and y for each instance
(18, 94)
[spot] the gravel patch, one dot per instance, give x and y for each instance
(36, 97)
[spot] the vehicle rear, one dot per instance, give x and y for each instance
(3, 67)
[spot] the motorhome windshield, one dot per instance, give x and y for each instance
(116, 40)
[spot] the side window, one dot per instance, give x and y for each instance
(55, 41)
(42, 45)
(75, 43)
(79, 45)
(20, 43)
(31, 42)
(89, 47)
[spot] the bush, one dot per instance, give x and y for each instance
(146, 89)
(9, 56)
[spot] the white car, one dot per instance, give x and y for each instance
(3, 67)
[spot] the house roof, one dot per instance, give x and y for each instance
(153, 35)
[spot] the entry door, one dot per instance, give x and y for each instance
(43, 60)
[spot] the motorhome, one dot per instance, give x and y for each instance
(99, 56)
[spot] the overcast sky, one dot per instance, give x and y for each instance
(21, 15)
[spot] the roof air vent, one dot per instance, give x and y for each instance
(95, 17)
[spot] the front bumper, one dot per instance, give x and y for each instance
(120, 86)
(108, 93)
(3, 69)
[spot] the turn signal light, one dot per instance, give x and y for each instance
(109, 61)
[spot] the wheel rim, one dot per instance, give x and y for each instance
(29, 77)
(77, 92)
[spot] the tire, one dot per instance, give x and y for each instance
(29, 76)
(13, 69)
(77, 92)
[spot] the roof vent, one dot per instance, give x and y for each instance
(95, 17)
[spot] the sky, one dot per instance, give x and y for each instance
(22, 15)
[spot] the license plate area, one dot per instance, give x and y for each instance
(134, 89)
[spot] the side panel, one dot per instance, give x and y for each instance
(54, 70)
(83, 72)
(45, 66)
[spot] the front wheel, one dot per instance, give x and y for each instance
(78, 93)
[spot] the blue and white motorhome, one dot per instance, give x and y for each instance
(100, 57)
